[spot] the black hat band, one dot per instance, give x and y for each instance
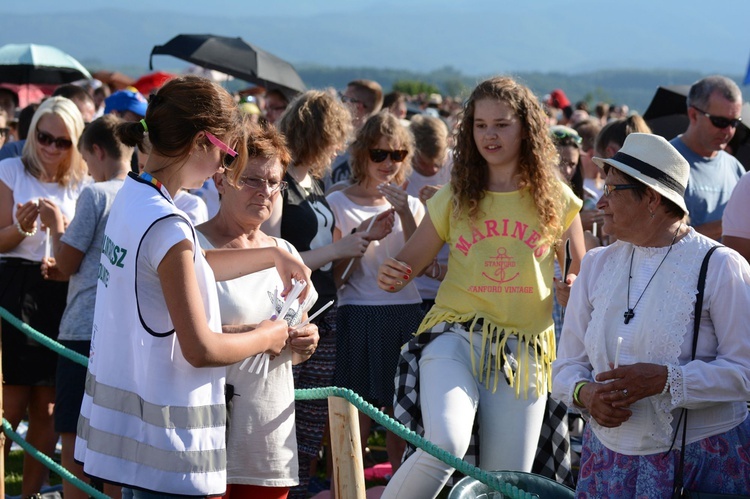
(649, 171)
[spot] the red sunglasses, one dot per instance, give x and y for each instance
(229, 153)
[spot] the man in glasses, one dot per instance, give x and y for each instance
(714, 107)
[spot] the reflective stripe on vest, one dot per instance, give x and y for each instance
(187, 462)
(117, 399)
(168, 417)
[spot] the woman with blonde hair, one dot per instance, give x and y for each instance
(74, 257)
(50, 170)
(485, 349)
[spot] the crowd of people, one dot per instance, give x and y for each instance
(458, 264)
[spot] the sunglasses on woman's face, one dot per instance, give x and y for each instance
(46, 139)
(720, 121)
(379, 155)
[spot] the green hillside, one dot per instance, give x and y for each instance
(632, 87)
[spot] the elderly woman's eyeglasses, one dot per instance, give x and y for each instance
(720, 121)
(610, 188)
(261, 183)
(229, 153)
(47, 139)
(379, 155)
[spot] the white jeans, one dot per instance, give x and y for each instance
(450, 395)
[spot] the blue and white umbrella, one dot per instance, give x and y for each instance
(40, 64)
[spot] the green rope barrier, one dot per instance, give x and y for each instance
(44, 340)
(414, 438)
(49, 463)
(304, 394)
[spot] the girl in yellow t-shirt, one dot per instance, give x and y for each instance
(504, 216)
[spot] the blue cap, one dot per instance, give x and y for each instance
(125, 100)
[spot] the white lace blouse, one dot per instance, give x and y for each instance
(714, 386)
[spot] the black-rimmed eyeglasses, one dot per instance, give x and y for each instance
(610, 188)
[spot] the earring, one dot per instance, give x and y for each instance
(652, 213)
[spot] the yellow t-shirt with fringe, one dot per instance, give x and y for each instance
(500, 272)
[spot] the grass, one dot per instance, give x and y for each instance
(14, 474)
(14, 466)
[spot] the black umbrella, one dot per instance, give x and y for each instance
(667, 116)
(235, 57)
(667, 113)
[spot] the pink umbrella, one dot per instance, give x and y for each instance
(29, 93)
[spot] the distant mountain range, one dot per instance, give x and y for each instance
(595, 50)
(476, 37)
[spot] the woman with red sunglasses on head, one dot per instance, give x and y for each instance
(484, 349)
(50, 168)
(371, 323)
(153, 415)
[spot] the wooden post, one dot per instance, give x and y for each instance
(346, 448)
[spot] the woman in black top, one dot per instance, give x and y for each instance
(316, 126)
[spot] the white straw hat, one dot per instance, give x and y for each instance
(653, 161)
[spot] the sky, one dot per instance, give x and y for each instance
(474, 36)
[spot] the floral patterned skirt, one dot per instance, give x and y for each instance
(720, 463)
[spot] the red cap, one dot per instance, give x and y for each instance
(558, 99)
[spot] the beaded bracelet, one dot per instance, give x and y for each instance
(23, 232)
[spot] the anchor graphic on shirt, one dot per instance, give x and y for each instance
(501, 263)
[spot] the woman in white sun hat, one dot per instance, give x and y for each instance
(625, 359)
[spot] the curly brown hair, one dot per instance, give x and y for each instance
(536, 163)
(315, 124)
